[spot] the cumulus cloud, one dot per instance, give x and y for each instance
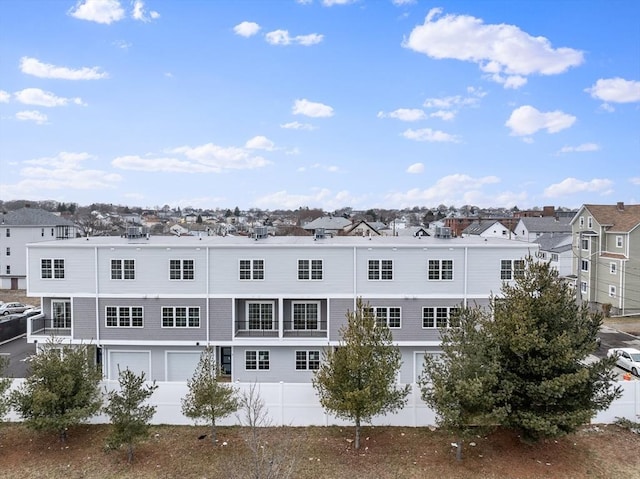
(503, 52)
(404, 114)
(615, 90)
(295, 125)
(311, 109)
(208, 158)
(526, 120)
(569, 186)
(331, 3)
(580, 148)
(33, 66)
(399, 3)
(327, 199)
(260, 143)
(32, 115)
(427, 134)
(4, 96)
(99, 11)
(447, 107)
(141, 14)
(282, 37)
(36, 96)
(246, 29)
(415, 168)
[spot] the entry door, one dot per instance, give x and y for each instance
(225, 361)
(14, 283)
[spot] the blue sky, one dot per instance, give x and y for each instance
(320, 103)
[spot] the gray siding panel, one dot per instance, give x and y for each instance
(84, 319)
(221, 319)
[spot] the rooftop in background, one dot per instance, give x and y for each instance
(32, 217)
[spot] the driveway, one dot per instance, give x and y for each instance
(17, 350)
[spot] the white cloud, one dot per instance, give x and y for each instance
(36, 96)
(246, 29)
(635, 180)
(444, 115)
(139, 13)
(427, 134)
(4, 96)
(330, 3)
(208, 158)
(448, 106)
(616, 90)
(526, 120)
(416, 168)
(323, 197)
(311, 109)
(404, 114)
(580, 148)
(295, 125)
(121, 44)
(32, 66)
(504, 52)
(569, 186)
(32, 115)
(100, 11)
(260, 143)
(282, 37)
(399, 3)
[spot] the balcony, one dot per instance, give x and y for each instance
(42, 327)
(316, 329)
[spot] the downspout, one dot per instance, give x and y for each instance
(466, 276)
(355, 274)
(207, 295)
(97, 286)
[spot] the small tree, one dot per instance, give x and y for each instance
(358, 380)
(129, 416)
(5, 384)
(208, 399)
(61, 391)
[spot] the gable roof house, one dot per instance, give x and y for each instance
(556, 249)
(530, 228)
(22, 226)
(331, 225)
(488, 229)
(606, 250)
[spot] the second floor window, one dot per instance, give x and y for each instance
(380, 269)
(251, 269)
(123, 269)
(386, 316)
(52, 268)
(181, 269)
(8, 251)
(180, 317)
(511, 269)
(613, 268)
(618, 241)
(438, 317)
(124, 317)
(310, 269)
(440, 269)
(8, 269)
(584, 265)
(260, 316)
(305, 316)
(612, 291)
(8, 233)
(585, 244)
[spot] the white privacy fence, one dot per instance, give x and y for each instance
(296, 404)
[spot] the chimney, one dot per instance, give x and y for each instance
(620, 206)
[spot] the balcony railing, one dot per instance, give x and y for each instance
(291, 330)
(43, 326)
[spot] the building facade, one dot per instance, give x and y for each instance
(268, 306)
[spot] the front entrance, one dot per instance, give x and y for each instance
(14, 283)
(225, 361)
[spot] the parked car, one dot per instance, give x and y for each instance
(627, 358)
(12, 308)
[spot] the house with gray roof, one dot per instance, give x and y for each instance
(556, 249)
(488, 229)
(328, 224)
(530, 228)
(22, 226)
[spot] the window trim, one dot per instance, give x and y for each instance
(122, 269)
(613, 268)
(274, 321)
(56, 269)
(306, 320)
(307, 359)
(67, 309)
(612, 291)
(255, 273)
(376, 310)
(619, 241)
(515, 270)
(437, 320)
(187, 317)
(310, 270)
(118, 318)
(182, 270)
(258, 360)
(380, 268)
(584, 265)
(440, 270)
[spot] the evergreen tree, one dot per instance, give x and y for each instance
(208, 399)
(5, 384)
(357, 380)
(129, 416)
(61, 391)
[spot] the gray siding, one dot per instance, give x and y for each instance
(221, 319)
(83, 319)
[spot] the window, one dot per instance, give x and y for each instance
(123, 269)
(251, 269)
(380, 269)
(181, 269)
(613, 268)
(8, 233)
(584, 265)
(554, 257)
(619, 241)
(581, 222)
(52, 268)
(260, 316)
(583, 287)
(8, 251)
(511, 269)
(305, 316)
(61, 314)
(310, 269)
(307, 360)
(584, 244)
(440, 269)
(388, 316)
(42, 232)
(8, 269)
(254, 360)
(589, 222)
(181, 317)
(438, 317)
(612, 291)
(124, 317)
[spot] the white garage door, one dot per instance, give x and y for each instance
(136, 361)
(181, 365)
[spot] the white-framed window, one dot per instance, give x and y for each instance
(590, 222)
(8, 269)
(542, 255)
(584, 265)
(440, 270)
(181, 269)
(307, 360)
(8, 233)
(251, 269)
(124, 317)
(380, 269)
(585, 244)
(8, 251)
(387, 316)
(260, 315)
(583, 287)
(310, 269)
(61, 313)
(256, 360)
(123, 269)
(619, 242)
(306, 315)
(42, 233)
(613, 268)
(180, 317)
(511, 269)
(581, 222)
(612, 291)
(554, 257)
(438, 316)
(52, 268)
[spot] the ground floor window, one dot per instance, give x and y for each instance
(307, 360)
(256, 360)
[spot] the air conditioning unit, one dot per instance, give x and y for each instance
(260, 232)
(443, 232)
(319, 233)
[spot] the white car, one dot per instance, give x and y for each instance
(628, 358)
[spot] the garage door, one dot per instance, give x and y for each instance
(136, 361)
(181, 365)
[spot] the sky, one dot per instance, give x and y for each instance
(283, 104)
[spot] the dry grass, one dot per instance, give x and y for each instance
(321, 452)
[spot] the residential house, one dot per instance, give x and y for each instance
(488, 229)
(556, 249)
(606, 251)
(361, 228)
(330, 225)
(531, 228)
(269, 306)
(22, 226)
